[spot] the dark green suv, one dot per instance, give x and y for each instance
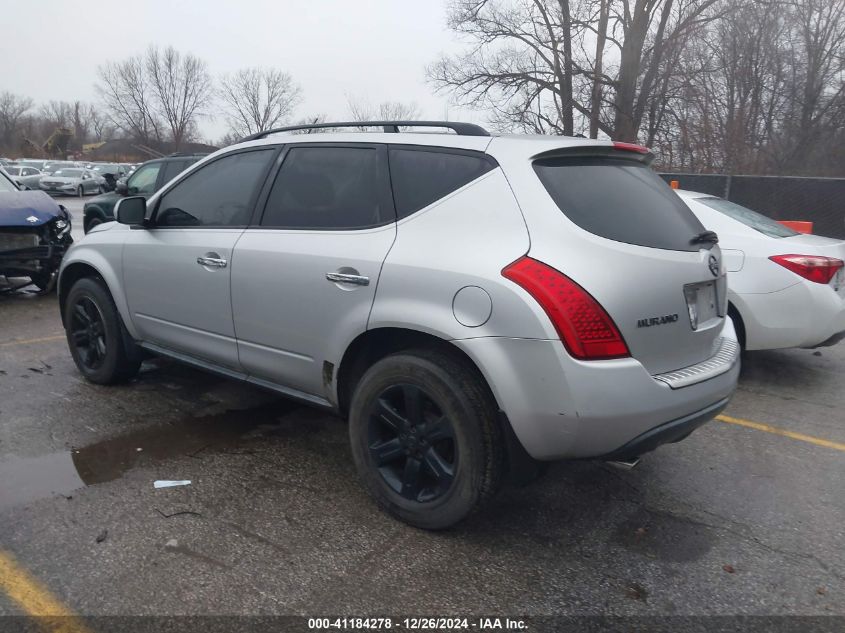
(144, 181)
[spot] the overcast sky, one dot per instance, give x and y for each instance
(372, 50)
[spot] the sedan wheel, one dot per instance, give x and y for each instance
(80, 191)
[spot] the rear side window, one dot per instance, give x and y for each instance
(756, 221)
(421, 177)
(220, 193)
(328, 188)
(172, 169)
(620, 200)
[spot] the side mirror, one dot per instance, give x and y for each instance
(122, 188)
(131, 211)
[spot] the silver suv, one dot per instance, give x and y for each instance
(474, 304)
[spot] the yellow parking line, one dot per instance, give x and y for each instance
(44, 339)
(759, 426)
(35, 599)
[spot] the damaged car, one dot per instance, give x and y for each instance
(34, 234)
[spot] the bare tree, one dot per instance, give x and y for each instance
(157, 96)
(58, 113)
(181, 88)
(12, 110)
(128, 99)
(256, 99)
(542, 64)
(520, 63)
(101, 127)
(815, 95)
(362, 110)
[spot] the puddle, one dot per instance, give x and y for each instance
(29, 478)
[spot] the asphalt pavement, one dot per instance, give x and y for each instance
(746, 516)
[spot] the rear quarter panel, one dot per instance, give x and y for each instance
(464, 239)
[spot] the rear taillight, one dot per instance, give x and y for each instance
(812, 267)
(582, 324)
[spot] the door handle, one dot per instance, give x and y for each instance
(345, 278)
(212, 262)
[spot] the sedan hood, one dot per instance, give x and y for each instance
(18, 207)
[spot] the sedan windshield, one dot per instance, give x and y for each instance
(68, 173)
(752, 219)
(6, 184)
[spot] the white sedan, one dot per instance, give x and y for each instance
(785, 289)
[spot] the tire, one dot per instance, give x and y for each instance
(115, 358)
(101, 189)
(92, 223)
(739, 325)
(387, 452)
(45, 281)
(80, 192)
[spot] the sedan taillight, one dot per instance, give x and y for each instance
(814, 268)
(585, 328)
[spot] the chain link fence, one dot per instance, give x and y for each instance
(817, 200)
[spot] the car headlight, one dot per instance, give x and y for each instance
(62, 226)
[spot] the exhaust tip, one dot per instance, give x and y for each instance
(626, 464)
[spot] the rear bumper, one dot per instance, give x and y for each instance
(561, 408)
(667, 433)
(802, 315)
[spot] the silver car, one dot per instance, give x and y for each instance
(24, 175)
(72, 181)
(474, 304)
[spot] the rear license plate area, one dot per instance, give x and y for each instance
(703, 301)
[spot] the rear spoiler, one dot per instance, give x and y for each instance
(616, 149)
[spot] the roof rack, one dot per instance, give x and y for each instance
(462, 129)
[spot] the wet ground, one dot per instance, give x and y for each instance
(732, 520)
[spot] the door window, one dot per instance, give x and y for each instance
(144, 180)
(220, 193)
(328, 188)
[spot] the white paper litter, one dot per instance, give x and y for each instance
(166, 483)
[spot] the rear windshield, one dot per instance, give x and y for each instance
(756, 221)
(620, 200)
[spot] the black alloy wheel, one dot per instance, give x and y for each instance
(424, 437)
(412, 443)
(88, 333)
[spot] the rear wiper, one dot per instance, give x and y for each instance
(705, 237)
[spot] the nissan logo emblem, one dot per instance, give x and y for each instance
(713, 264)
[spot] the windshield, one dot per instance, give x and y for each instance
(752, 219)
(620, 200)
(6, 184)
(13, 171)
(68, 173)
